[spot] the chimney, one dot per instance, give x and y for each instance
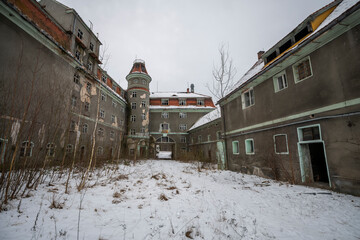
(187, 90)
(260, 53)
(192, 87)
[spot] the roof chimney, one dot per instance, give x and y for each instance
(260, 53)
(187, 90)
(192, 87)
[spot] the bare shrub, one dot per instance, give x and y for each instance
(163, 197)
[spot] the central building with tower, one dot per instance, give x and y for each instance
(159, 121)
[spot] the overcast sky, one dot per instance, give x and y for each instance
(179, 39)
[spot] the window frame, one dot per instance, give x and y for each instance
(182, 102)
(102, 113)
(143, 103)
(132, 131)
(283, 76)
(163, 114)
(69, 148)
(134, 94)
(200, 102)
(113, 118)
(103, 96)
(76, 78)
(295, 70)
(84, 128)
(101, 132)
(164, 124)
(287, 144)
(182, 139)
(50, 149)
(80, 34)
(162, 102)
(100, 151)
(182, 115)
(132, 118)
(251, 98)
(29, 145)
(133, 105)
(143, 116)
(87, 106)
(183, 126)
(235, 143)
(247, 141)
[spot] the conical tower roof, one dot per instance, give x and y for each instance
(139, 67)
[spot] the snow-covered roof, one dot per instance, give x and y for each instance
(211, 116)
(259, 65)
(180, 107)
(177, 95)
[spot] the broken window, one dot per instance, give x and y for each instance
(91, 46)
(305, 31)
(143, 104)
(164, 115)
(76, 78)
(133, 118)
(285, 46)
(101, 132)
(311, 133)
(200, 102)
(271, 57)
(132, 131)
(26, 149)
(182, 115)
(235, 147)
(249, 146)
(84, 128)
(103, 96)
(302, 70)
(80, 34)
(165, 102)
(280, 81)
(69, 148)
(248, 98)
(143, 116)
(280, 144)
(102, 113)
(87, 106)
(182, 102)
(133, 94)
(73, 101)
(112, 118)
(133, 105)
(50, 149)
(182, 127)
(164, 126)
(183, 139)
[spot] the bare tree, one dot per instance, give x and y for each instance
(104, 56)
(223, 74)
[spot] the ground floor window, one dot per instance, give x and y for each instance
(235, 147)
(26, 149)
(50, 149)
(281, 144)
(249, 146)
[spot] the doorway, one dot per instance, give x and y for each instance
(318, 162)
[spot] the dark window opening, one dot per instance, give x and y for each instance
(318, 162)
(285, 46)
(271, 57)
(302, 34)
(143, 68)
(311, 133)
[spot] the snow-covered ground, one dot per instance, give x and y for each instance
(173, 200)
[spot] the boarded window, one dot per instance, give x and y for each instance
(311, 133)
(302, 69)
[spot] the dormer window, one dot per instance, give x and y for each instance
(200, 102)
(300, 35)
(80, 34)
(182, 102)
(271, 57)
(91, 46)
(165, 102)
(285, 46)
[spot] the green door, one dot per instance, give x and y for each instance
(220, 155)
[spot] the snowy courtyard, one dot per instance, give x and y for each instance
(174, 200)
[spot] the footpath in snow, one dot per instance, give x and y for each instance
(173, 200)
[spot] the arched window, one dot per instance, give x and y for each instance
(84, 128)
(165, 140)
(100, 151)
(50, 149)
(26, 149)
(69, 148)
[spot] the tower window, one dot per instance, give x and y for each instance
(133, 105)
(133, 94)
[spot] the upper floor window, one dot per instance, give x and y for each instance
(164, 126)
(101, 132)
(91, 46)
(112, 134)
(182, 115)
(280, 81)
(88, 87)
(200, 102)
(209, 138)
(100, 151)
(122, 109)
(132, 131)
(218, 135)
(248, 98)
(182, 102)
(73, 101)
(143, 116)
(199, 139)
(133, 94)
(133, 118)
(165, 102)
(142, 129)
(143, 82)
(103, 78)
(50, 149)
(114, 104)
(103, 96)
(90, 66)
(84, 128)
(69, 148)
(102, 113)
(143, 104)
(133, 105)
(80, 34)
(183, 139)
(112, 118)
(121, 122)
(26, 149)
(164, 115)
(182, 127)
(77, 54)
(76, 78)
(302, 70)
(87, 106)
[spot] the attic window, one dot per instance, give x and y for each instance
(143, 68)
(271, 57)
(305, 31)
(285, 46)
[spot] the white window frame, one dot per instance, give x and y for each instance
(284, 81)
(50, 149)
(133, 105)
(235, 146)
(101, 132)
(199, 139)
(165, 115)
(112, 134)
(80, 34)
(295, 70)
(134, 94)
(164, 124)
(248, 147)
(163, 100)
(251, 92)
(103, 96)
(112, 118)
(143, 116)
(200, 102)
(182, 115)
(218, 135)
(114, 104)
(286, 141)
(182, 139)
(182, 102)
(209, 138)
(182, 126)
(76, 78)
(103, 78)
(85, 128)
(133, 118)
(143, 103)
(102, 113)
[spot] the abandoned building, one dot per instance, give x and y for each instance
(295, 115)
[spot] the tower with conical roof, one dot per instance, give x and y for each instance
(138, 98)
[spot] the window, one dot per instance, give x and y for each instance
(182, 115)
(90, 66)
(164, 115)
(192, 140)
(133, 118)
(218, 135)
(133, 94)
(112, 118)
(164, 126)
(80, 34)
(302, 70)
(183, 139)
(91, 46)
(100, 151)
(87, 106)
(164, 139)
(280, 144)
(103, 96)
(114, 104)
(50, 149)
(122, 109)
(142, 129)
(77, 54)
(235, 147)
(182, 102)
(165, 102)
(248, 98)
(26, 149)
(101, 132)
(88, 87)
(76, 78)
(143, 82)
(309, 133)
(112, 134)
(199, 139)
(133, 105)
(182, 127)
(143, 116)
(143, 104)
(209, 138)
(102, 113)
(84, 128)
(72, 125)
(280, 81)
(103, 78)
(200, 102)
(69, 148)
(249, 146)
(132, 131)
(121, 122)
(73, 101)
